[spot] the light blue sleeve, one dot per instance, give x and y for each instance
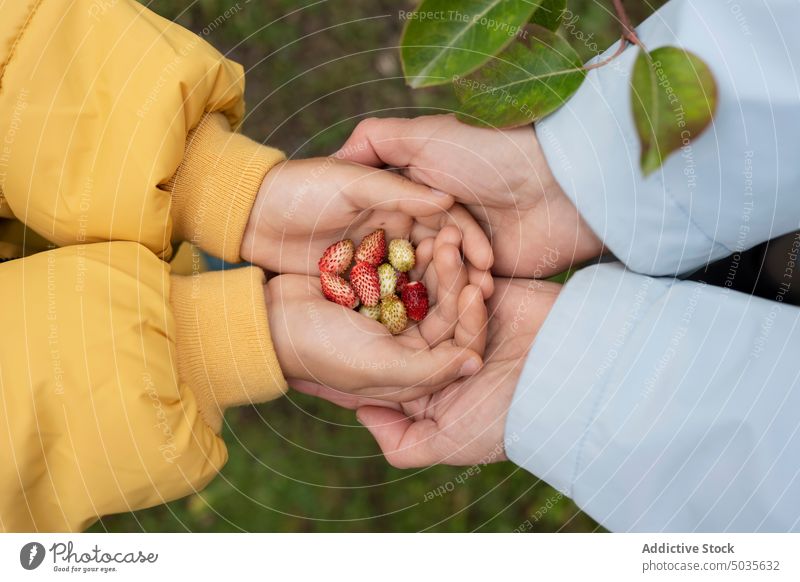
(735, 186)
(661, 405)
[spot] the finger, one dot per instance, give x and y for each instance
(424, 228)
(451, 276)
(337, 397)
(404, 443)
(378, 142)
(450, 279)
(371, 189)
(418, 409)
(448, 235)
(477, 247)
(424, 371)
(424, 258)
(444, 279)
(476, 244)
(473, 319)
(481, 279)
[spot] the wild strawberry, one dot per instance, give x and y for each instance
(415, 299)
(388, 279)
(393, 314)
(402, 281)
(337, 257)
(372, 249)
(338, 290)
(401, 255)
(371, 312)
(364, 279)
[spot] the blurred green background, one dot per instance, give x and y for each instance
(314, 69)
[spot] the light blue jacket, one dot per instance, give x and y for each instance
(659, 404)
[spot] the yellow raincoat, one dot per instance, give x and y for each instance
(116, 143)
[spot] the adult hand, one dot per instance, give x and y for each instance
(319, 341)
(304, 206)
(502, 177)
(464, 423)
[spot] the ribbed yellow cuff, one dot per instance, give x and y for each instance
(215, 187)
(225, 352)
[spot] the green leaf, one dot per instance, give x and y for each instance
(448, 38)
(534, 76)
(549, 14)
(674, 100)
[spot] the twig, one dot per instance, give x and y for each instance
(628, 33)
(622, 46)
(629, 37)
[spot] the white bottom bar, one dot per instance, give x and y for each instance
(390, 557)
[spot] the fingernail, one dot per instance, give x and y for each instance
(439, 193)
(470, 367)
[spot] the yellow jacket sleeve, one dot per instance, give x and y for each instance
(112, 387)
(116, 125)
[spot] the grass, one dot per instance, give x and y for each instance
(301, 465)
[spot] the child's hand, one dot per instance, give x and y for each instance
(321, 343)
(459, 313)
(304, 206)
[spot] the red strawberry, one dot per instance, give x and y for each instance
(402, 281)
(338, 290)
(372, 249)
(337, 257)
(364, 279)
(415, 298)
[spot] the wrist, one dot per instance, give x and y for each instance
(541, 298)
(586, 245)
(544, 297)
(577, 241)
(224, 349)
(215, 185)
(279, 329)
(255, 221)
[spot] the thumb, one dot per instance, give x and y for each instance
(429, 370)
(379, 142)
(372, 189)
(404, 442)
(337, 397)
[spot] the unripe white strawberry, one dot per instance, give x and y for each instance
(373, 312)
(393, 314)
(387, 277)
(401, 255)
